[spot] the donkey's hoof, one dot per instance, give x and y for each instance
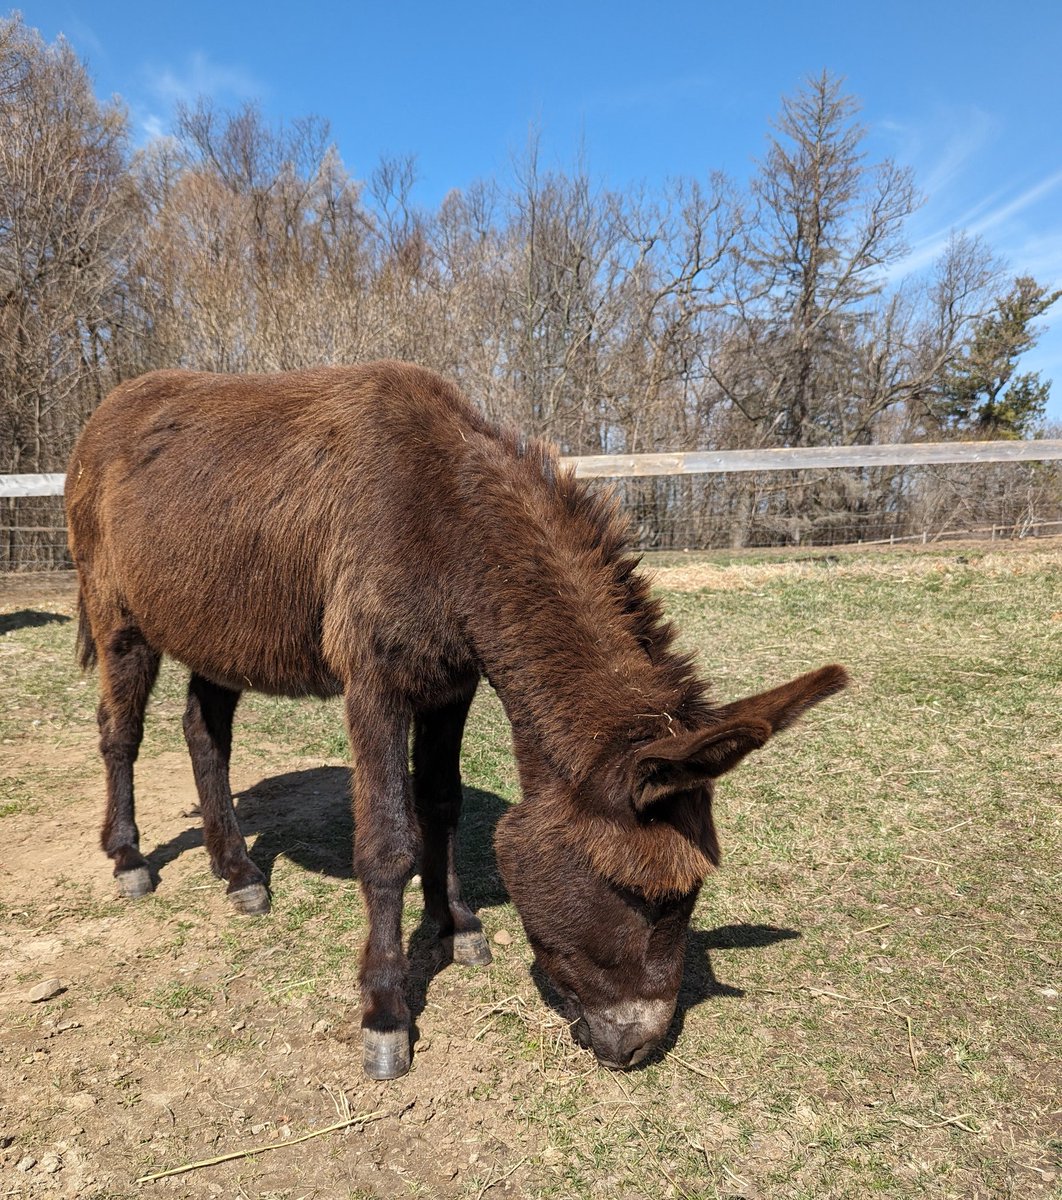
(385, 1055)
(251, 901)
(471, 949)
(134, 884)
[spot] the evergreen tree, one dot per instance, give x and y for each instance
(982, 394)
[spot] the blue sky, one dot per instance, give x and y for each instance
(964, 93)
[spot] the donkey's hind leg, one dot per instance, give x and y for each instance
(437, 791)
(128, 669)
(208, 732)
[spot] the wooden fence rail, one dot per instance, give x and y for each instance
(16, 486)
(718, 462)
(902, 454)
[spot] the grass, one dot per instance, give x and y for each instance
(870, 995)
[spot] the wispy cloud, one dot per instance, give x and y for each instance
(152, 126)
(200, 76)
(969, 133)
(941, 146)
(955, 152)
(167, 85)
(1027, 198)
(993, 215)
(82, 36)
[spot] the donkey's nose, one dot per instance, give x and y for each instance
(641, 1053)
(625, 1053)
(623, 1059)
(626, 1034)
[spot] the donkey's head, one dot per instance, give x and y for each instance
(605, 876)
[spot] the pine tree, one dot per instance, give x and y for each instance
(982, 394)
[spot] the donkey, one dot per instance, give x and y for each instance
(364, 532)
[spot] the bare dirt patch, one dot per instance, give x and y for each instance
(183, 1032)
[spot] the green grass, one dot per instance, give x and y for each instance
(867, 1006)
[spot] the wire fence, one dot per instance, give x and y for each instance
(826, 506)
(844, 506)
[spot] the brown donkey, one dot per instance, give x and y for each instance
(364, 532)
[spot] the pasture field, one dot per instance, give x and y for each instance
(870, 1005)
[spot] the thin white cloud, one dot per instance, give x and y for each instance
(152, 126)
(199, 76)
(164, 86)
(940, 147)
(975, 130)
(83, 37)
(927, 249)
(1029, 197)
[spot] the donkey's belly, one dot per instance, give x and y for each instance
(266, 638)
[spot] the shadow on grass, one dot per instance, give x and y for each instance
(29, 618)
(306, 817)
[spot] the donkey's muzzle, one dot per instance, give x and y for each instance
(624, 1034)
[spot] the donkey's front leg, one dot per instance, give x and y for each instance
(386, 851)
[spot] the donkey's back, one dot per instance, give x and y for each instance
(251, 524)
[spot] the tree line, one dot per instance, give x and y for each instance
(694, 315)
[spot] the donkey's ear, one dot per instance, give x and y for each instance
(781, 706)
(676, 764)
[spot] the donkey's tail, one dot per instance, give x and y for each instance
(86, 643)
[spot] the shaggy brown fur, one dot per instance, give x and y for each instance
(364, 531)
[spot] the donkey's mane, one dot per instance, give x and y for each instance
(596, 657)
(603, 541)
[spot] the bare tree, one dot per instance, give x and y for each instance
(823, 228)
(257, 252)
(63, 216)
(681, 318)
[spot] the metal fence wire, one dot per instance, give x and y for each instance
(752, 509)
(840, 506)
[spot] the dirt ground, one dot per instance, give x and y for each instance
(99, 1085)
(179, 1033)
(106, 1085)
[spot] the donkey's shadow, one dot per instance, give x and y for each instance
(306, 817)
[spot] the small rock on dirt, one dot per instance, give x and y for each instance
(26, 1164)
(47, 989)
(50, 1163)
(503, 938)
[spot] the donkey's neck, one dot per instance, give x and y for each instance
(567, 634)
